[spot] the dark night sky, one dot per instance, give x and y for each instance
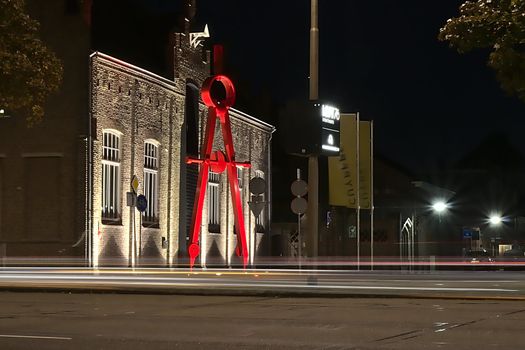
(382, 58)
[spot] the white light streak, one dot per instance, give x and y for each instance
(33, 337)
(331, 148)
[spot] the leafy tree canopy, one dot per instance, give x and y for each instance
(496, 25)
(29, 71)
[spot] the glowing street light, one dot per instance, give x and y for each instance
(439, 206)
(495, 219)
(4, 113)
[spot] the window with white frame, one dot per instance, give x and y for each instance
(241, 183)
(151, 181)
(259, 220)
(214, 222)
(111, 175)
(241, 191)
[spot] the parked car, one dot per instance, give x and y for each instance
(478, 256)
(514, 252)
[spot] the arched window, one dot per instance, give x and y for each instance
(111, 175)
(240, 180)
(151, 181)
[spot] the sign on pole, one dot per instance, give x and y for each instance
(257, 188)
(299, 205)
(257, 185)
(330, 142)
(299, 188)
(142, 203)
(134, 184)
(256, 206)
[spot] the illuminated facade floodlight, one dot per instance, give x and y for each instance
(495, 219)
(439, 206)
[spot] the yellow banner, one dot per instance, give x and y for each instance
(365, 165)
(342, 170)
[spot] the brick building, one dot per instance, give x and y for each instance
(73, 171)
(145, 126)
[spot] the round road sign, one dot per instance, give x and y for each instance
(299, 188)
(257, 185)
(299, 205)
(142, 203)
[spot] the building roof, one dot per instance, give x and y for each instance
(170, 85)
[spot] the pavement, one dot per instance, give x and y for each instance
(137, 321)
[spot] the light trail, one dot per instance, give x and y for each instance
(501, 285)
(310, 281)
(160, 281)
(33, 337)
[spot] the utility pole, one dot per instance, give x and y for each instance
(314, 51)
(313, 162)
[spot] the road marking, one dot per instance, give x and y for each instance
(33, 337)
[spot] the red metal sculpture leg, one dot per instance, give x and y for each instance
(234, 188)
(202, 184)
(218, 108)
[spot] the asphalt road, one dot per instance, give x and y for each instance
(117, 321)
(463, 285)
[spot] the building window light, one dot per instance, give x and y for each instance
(151, 181)
(111, 176)
(214, 224)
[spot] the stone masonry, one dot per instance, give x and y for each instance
(140, 105)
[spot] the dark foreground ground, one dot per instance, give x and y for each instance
(120, 321)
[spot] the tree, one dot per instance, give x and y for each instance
(29, 71)
(496, 25)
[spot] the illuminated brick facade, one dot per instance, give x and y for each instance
(138, 106)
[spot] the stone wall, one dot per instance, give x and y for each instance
(140, 106)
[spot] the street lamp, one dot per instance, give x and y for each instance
(495, 219)
(439, 206)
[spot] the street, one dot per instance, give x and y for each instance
(115, 321)
(495, 285)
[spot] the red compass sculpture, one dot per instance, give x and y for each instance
(218, 161)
